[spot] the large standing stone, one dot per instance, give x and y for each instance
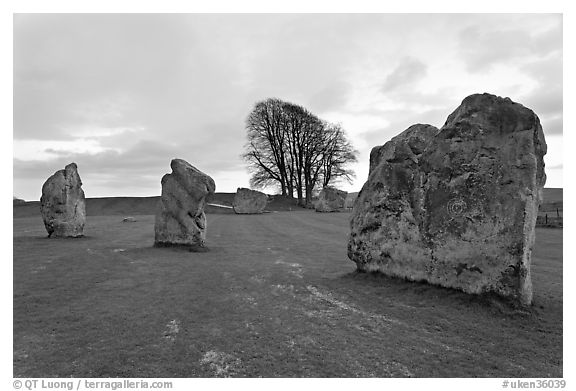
(456, 206)
(62, 204)
(180, 218)
(330, 200)
(247, 201)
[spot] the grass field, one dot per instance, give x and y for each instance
(275, 297)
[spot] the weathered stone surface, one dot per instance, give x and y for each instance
(63, 205)
(330, 200)
(247, 201)
(129, 219)
(457, 206)
(180, 218)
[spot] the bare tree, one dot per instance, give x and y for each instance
(290, 147)
(338, 153)
(265, 150)
(303, 129)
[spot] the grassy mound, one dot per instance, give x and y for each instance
(127, 206)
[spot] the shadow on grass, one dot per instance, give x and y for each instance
(439, 295)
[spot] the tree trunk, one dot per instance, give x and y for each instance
(308, 195)
(300, 196)
(309, 187)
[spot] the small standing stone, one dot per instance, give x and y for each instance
(63, 205)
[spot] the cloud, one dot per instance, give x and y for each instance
(135, 90)
(140, 70)
(48, 149)
(483, 49)
(408, 72)
(136, 171)
(546, 98)
(545, 101)
(402, 120)
(547, 70)
(331, 97)
(145, 155)
(552, 126)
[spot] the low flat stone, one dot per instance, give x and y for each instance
(330, 199)
(247, 201)
(350, 199)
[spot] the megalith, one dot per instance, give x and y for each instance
(247, 201)
(180, 217)
(456, 206)
(63, 205)
(330, 199)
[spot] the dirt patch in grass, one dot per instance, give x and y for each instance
(275, 296)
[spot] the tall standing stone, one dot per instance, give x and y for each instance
(180, 217)
(457, 206)
(63, 205)
(247, 201)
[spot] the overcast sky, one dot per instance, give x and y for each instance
(121, 95)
